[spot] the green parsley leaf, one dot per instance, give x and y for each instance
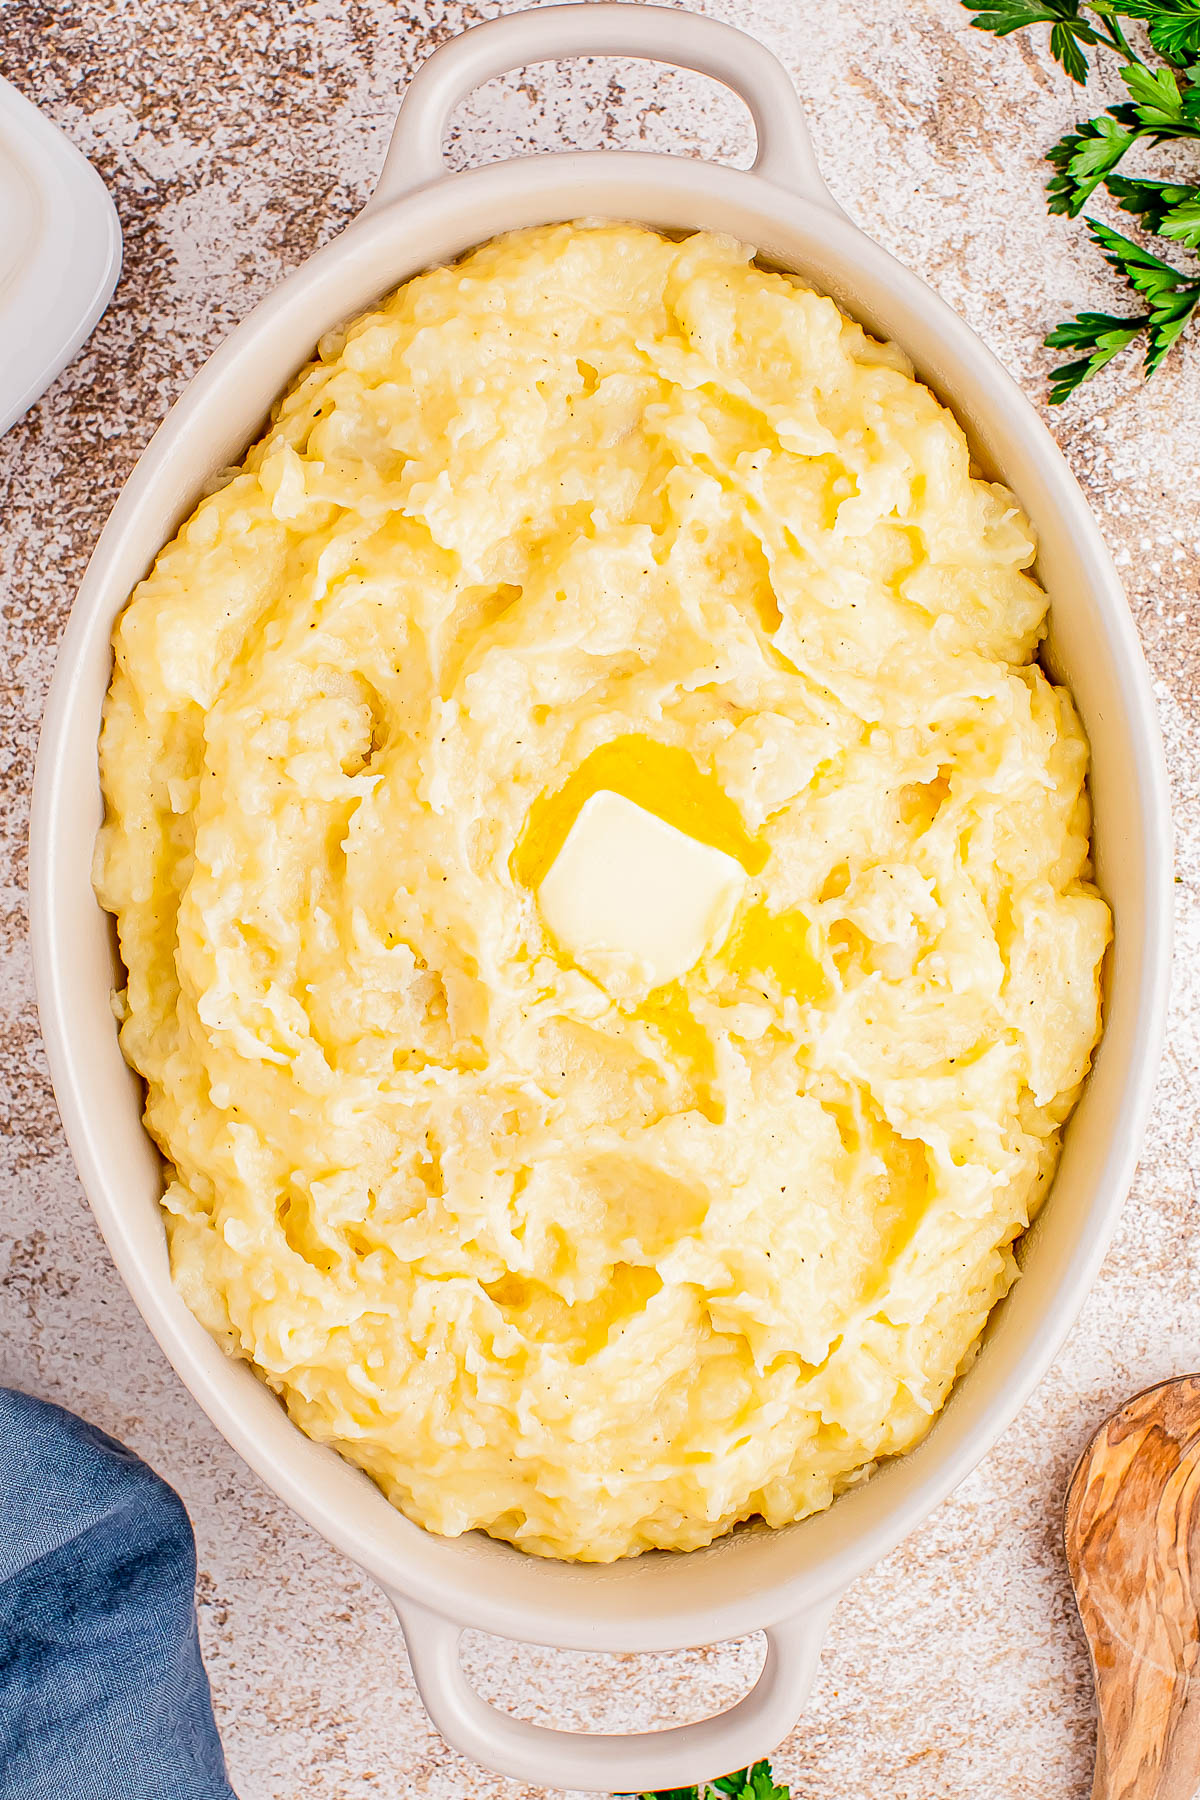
(1082, 159)
(1146, 273)
(1171, 208)
(1090, 328)
(1155, 95)
(1003, 16)
(756, 1783)
(1102, 335)
(1064, 48)
(1182, 222)
(1163, 103)
(1163, 331)
(1069, 30)
(1174, 26)
(764, 1787)
(1063, 382)
(1172, 296)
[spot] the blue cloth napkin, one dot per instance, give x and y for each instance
(103, 1695)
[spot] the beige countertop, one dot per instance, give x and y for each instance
(235, 136)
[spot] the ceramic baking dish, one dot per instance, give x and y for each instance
(782, 1582)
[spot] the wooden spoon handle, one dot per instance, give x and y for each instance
(1133, 1547)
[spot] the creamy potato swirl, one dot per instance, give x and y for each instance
(595, 509)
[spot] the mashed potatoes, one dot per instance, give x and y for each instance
(598, 1270)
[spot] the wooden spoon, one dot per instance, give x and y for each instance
(1132, 1532)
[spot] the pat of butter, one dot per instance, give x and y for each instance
(633, 900)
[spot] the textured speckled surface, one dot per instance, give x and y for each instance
(236, 135)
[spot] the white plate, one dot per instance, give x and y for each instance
(60, 252)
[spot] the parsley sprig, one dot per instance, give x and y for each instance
(756, 1783)
(1163, 106)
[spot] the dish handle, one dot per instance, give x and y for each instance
(665, 34)
(603, 1762)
